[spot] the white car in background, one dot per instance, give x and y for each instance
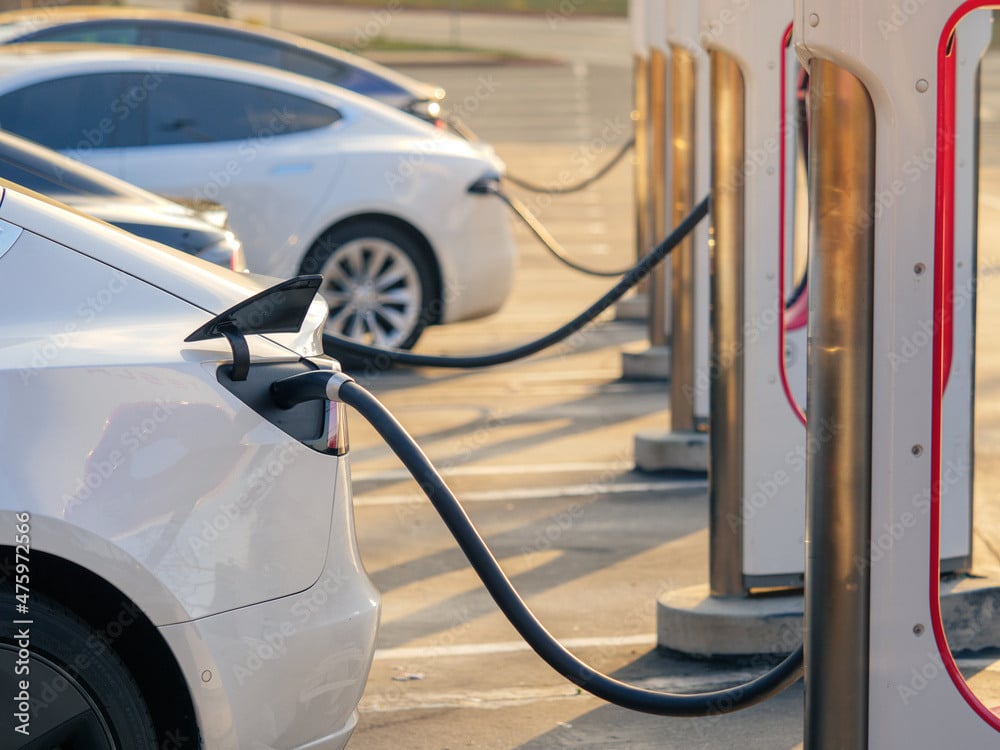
(316, 179)
(194, 32)
(178, 563)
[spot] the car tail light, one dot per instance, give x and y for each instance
(337, 441)
(238, 261)
(227, 252)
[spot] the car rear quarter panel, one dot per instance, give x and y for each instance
(130, 457)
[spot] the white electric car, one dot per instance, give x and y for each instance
(252, 42)
(316, 179)
(178, 564)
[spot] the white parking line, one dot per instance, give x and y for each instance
(540, 493)
(396, 700)
(413, 698)
(506, 647)
(392, 475)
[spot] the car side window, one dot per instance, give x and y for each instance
(213, 42)
(75, 113)
(313, 66)
(186, 109)
(90, 33)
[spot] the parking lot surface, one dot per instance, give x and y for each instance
(541, 452)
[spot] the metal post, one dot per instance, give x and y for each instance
(726, 239)
(682, 380)
(640, 116)
(659, 310)
(841, 263)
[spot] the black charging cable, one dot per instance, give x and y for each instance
(338, 346)
(340, 387)
(457, 125)
(577, 186)
(544, 236)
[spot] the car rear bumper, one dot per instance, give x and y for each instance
(286, 673)
(478, 271)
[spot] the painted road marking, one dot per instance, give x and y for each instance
(393, 475)
(506, 647)
(541, 493)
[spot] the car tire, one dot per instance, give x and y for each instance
(80, 692)
(378, 280)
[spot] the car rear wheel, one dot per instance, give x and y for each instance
(378, 282)
(80, 693)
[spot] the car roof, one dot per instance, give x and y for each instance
(27, 63)
(23, 22)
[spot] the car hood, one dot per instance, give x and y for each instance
(209, 287)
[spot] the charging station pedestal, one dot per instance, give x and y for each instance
(759, 450)
(684, 447)
(757, 461)
(884, 274)
(654, 362)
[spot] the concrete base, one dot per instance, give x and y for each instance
(652, 364)
(691, 622)
(663, 450)
(635, 307)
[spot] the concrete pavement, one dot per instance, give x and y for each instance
(541, 450)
